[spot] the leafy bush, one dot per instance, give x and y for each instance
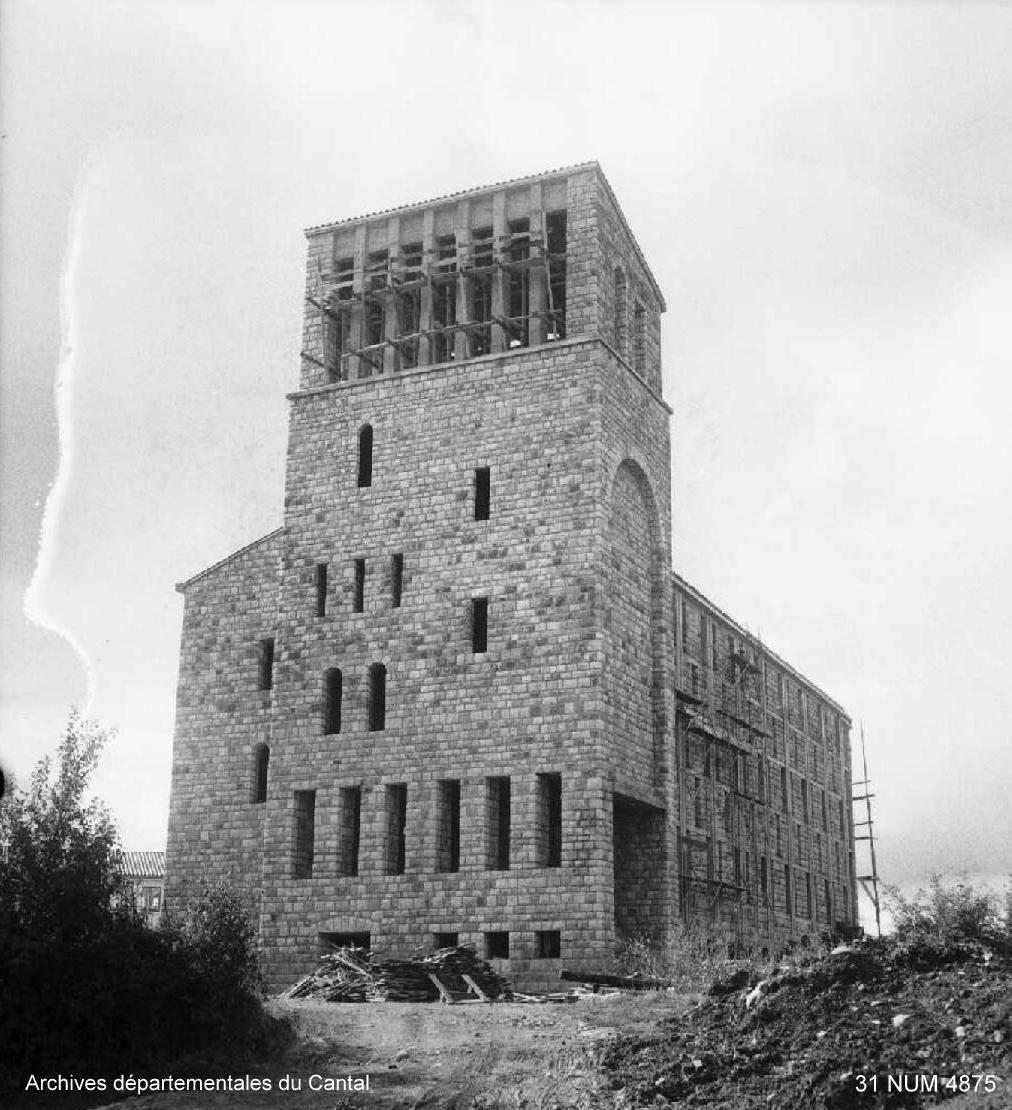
(85, 983)
(690, 961)
(942, 921)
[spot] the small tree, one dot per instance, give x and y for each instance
(58, 852)
(64, 921)
(941, 920)
(83, 983)
(220, 939)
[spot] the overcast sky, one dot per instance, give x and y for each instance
(823, 191)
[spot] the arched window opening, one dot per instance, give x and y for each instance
(261, 757)
(377, 697)
(332, 691)
(365, 456)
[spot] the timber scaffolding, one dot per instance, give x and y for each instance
(739, 866)
(862, 793)
(730, 722)
(465, 296)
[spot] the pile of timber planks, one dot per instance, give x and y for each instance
(342, 976)
(351, 975)
(450, 965)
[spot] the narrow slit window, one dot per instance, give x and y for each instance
(482, 492)
(265, 663)
(304, 834)
(365, 456)
(639, 338)
(396, 580)
(518, 285)
(555, 227)
(550, 820)
(377, 697)
(333, 692)
(621, 312)
(479, 625)
(397, 811)
(448, 826)
(497, 821)
(261, 758)
(358, 601)
(349, 830)
(321, 589)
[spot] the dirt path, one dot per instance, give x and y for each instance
(503, 1055)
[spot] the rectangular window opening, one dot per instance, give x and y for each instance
(444, 940)
(480, 334)
(397, 812)
(497, 946)
(639, 338)
(321, 589)
(358, 603)
(396, 580)
(550, 820)
(518, 291)
(448, 826)
(482, 492)
(548, 943)
(479, 625)
(349, 830)
(497, 822)
(329, 941)
(304, 834)
(265, 663)
(555, 227)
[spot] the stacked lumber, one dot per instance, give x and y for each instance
(350, 975)
(450, 965)
(342, 976)
(402, 981)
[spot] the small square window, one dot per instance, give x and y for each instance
(497, 946)
(549, 944)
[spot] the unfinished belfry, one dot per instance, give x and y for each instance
(460, 696)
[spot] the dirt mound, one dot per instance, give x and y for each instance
(871, 1024)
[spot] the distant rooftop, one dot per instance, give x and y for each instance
(143, 865)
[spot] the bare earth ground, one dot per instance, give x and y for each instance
(799, 1037)
(426, 1055)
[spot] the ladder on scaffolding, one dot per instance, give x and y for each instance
(862, 793)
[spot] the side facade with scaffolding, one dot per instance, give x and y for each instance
(766, 836)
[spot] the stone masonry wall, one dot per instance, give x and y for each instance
(222, 714)
(769, 756)
(530, 704)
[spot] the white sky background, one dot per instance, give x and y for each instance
(824, 193)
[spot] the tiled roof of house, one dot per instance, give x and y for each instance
(143, 865)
